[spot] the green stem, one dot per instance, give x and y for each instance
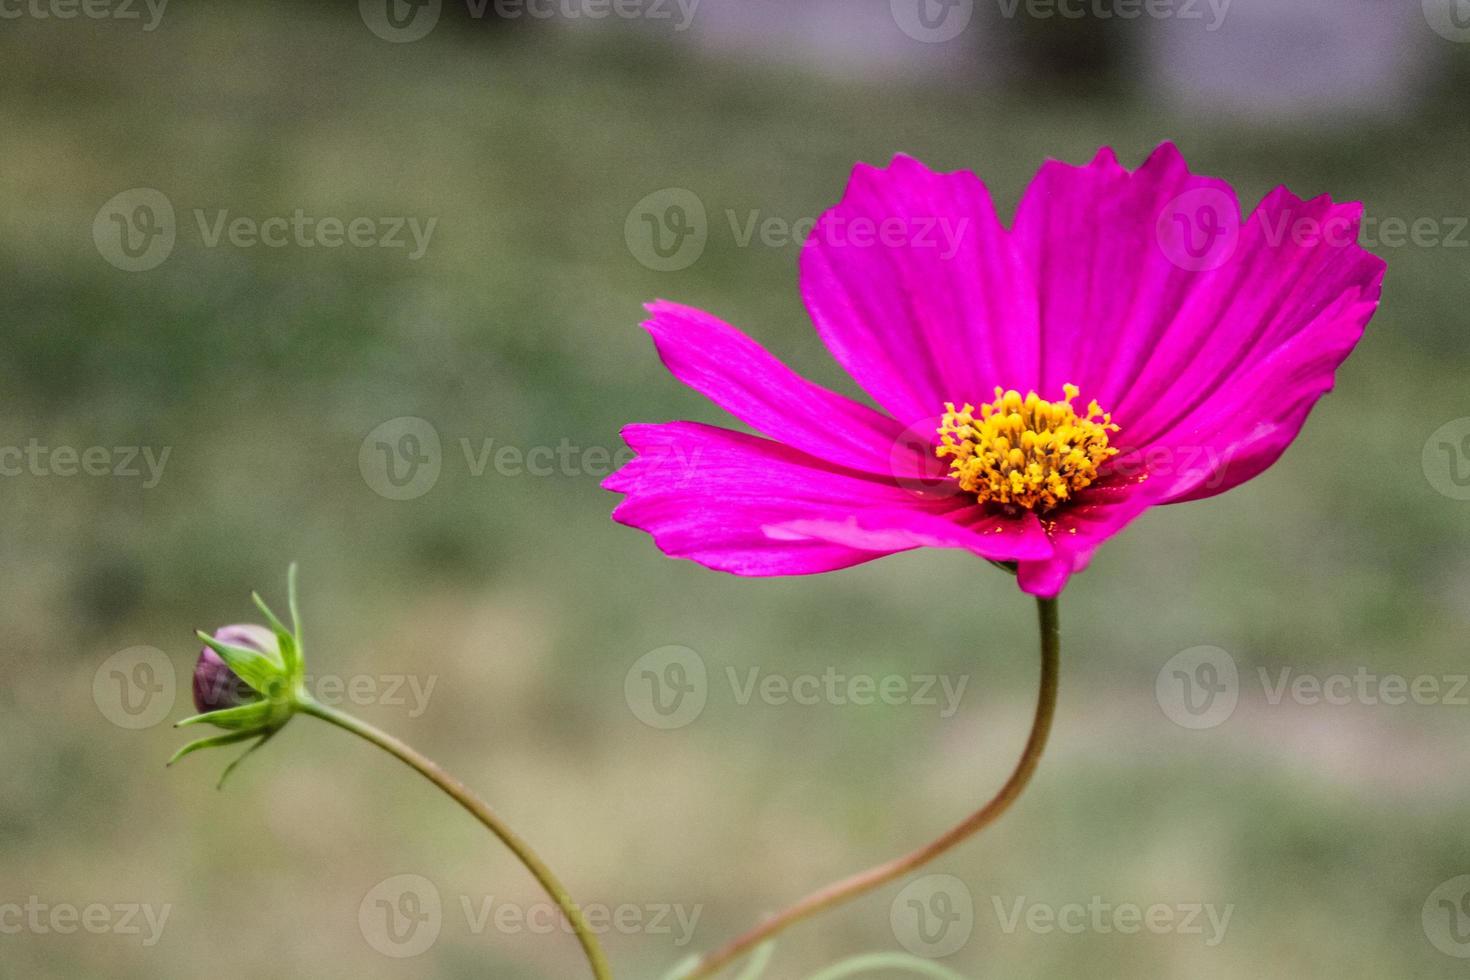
(481, 811)
(864, 882)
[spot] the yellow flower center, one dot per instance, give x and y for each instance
(1025, 452)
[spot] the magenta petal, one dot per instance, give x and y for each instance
(917, 290)
(1208, 357)
(709, 495)
(1109, 288)
(989, 536)
(1272, 289)
(1245, 426)
(1078, 529)
(741, 377)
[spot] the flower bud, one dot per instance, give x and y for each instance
(215, 685)
(249, 681)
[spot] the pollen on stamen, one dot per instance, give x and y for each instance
(1025, 452)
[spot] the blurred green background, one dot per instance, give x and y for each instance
(263, 371)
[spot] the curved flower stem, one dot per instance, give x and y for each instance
(481, 811)
(863, 882)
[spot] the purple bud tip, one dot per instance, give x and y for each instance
(215, 685)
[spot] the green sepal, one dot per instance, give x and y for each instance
(228, 738)
(251, 717)
(295, 607)
(263, 673)
(243, 756)
(290, 652)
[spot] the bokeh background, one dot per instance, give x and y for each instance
(1334, 832)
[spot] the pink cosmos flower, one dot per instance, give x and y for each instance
(1197, 340)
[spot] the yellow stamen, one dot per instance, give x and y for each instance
(1025, 452)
